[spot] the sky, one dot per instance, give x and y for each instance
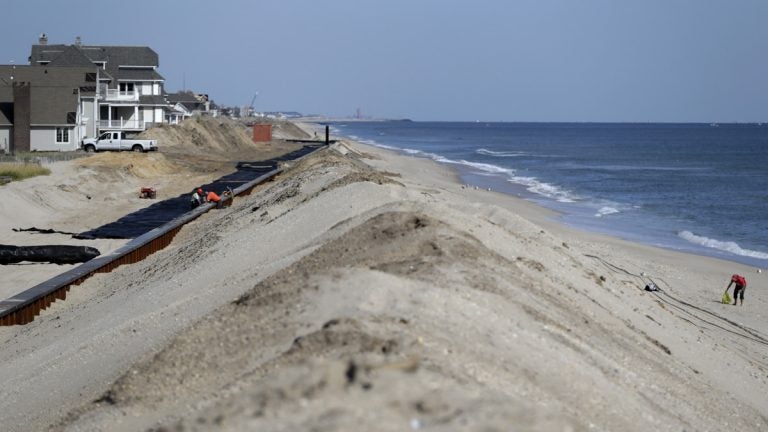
(437, 60)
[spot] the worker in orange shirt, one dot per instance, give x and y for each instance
(213, 197)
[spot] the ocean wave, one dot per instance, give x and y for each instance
(373, 143)
(384, 146)
(434, 156)
(547, 190)
(531, 184)
(488, 168)
(605, 211)
(726, 246)
(487, 152)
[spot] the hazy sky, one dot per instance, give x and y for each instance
(505, 60)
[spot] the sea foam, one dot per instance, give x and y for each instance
(502, 154)
(605, 211)
(726, 246)
(531, 184)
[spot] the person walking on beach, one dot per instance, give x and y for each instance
(740, 285)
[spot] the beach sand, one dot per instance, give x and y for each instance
(363, 290)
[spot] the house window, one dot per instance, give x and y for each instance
(126, 88)
(62, 135)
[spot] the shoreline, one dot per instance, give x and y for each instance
(568, 218)
(580, 216)
(544, 215)
(551, 212)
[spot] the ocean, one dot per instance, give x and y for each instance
(698, 188)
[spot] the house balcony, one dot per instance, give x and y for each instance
(122, 96)
(125, 125)
(115, 95)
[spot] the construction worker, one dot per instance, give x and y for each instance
(197, 198)
(740, 285)
(227, 196)
(214, 198)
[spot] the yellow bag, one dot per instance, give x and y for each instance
(726, 298)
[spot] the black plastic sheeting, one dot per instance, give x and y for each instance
(149, 218)
(56, 254)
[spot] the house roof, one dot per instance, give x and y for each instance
(53, 106)
(152, 100)
(118, 55)
(182, 96)
(189, 100)
(53, 91)
(70, 56)
(139, 75)
(121, 61)
(179, 108)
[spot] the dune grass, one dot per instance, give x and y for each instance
(20, 171)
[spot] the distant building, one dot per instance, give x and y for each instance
(186, 104)
(281, 114)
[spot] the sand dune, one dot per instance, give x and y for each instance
(362, 290)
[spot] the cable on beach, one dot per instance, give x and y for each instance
(752, 335)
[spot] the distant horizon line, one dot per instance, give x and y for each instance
(405, 119)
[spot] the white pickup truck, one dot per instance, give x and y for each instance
(118, 142)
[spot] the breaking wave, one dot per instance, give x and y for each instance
(373, 143)
(487, 152)
(726, 246)
(605, 211)
(531, 184)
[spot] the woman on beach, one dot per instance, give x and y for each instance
(740, 285)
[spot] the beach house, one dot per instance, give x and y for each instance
(186, 104)
(71, 92)
(46, 108)
(130, 95)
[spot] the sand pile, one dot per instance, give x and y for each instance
(143, 166)
(367, 291)
(217, 137)
(288, 130)
(202, 133)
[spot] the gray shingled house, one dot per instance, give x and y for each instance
(130, 94)
(46, 108)
(187, 104)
